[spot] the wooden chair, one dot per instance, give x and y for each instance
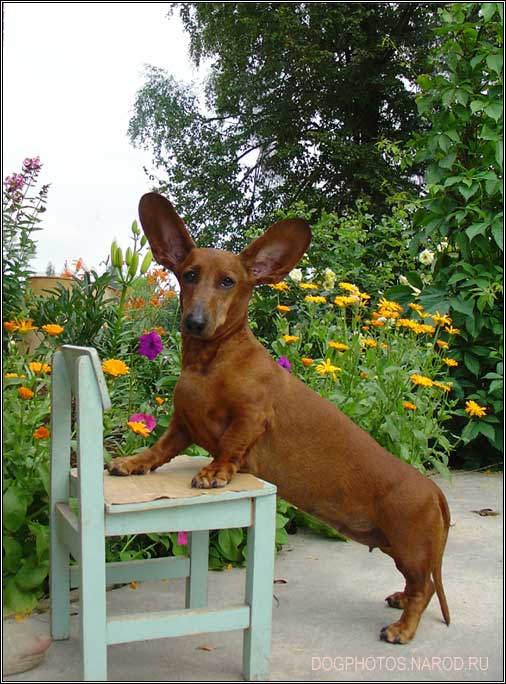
(77, 374)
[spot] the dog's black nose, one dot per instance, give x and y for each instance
(195, 323)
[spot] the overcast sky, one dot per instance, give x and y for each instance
(70, 75)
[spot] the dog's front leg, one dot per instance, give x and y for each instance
(174, 440)
(234, 444)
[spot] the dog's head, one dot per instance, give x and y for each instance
(216, 285)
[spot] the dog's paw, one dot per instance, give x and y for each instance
(130, 465)
(396, 600)
(395, 633)
(213, 476)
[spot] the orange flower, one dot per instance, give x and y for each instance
(25, 393)
(115, 367)
(442, 344)
(41, 433)
(37, 367)
(409, 405)
(307, 362)
(10, 326)
(450, 362)
(139, 428)
(282, 308)
(159, 400)
(24, 326)
(79, 264)
(52, 329)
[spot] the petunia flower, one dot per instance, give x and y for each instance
(284, 363)
(150, 345)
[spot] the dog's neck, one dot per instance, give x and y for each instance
(199, 354)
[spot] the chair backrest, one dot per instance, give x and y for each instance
(77, 374)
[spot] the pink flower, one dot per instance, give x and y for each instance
(14, 182)
(32, 164)
(182, 538)
(145, 418)
(284, 363)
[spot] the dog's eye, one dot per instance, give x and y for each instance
(190, 277)
(227, 282)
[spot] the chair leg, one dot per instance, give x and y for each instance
(59, 590)
(196, 582)
(259, 578)
(92, 612)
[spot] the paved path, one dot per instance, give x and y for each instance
(328, 614)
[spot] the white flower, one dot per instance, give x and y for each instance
(426, 257)
(296, 275)
(403, 280)
(442, 246)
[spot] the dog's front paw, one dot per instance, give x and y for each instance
(396, 600)
(213, 476)
(140, 464)
(396, 633)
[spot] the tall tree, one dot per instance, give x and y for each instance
(298, 97)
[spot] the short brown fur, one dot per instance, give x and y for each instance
(233, 400)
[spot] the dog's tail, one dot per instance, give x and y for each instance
(436, 572)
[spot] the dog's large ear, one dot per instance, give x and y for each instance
(168, 238)
(273, 255)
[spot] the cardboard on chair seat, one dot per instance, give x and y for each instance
(170, 481)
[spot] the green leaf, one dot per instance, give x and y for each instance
(476, 229)
(17, 600)
(13, 553)
(476, 106)
(497, 233)
(32, 574)
(495, 62)
(41, 534)
(229, 542)
(494, 110)
(472, 364)
(15, 504)
(488, 10)
(499, 154)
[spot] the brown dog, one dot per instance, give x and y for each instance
(233, 400)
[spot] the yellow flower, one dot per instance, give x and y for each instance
(25, 393)
(442, 386)
(452, 331)
(37, 367)
(159, 400)
(421, 380)
(367, 342)
(327, 368)
(409, 405)
(364, 296)
(474, 409)
(53, 329)
(349, 287)
(450, 362)
(282, 308)
(442, 344)
(441, 319)
(139, 428)
(290, 338)
(11, 375)
(364, 375)
(346, 301)
(378, 323)
(315, 300)
(415, 307)
(24, 326)
(423, 328)
(281, 287)
(307, 362)
(41, 433)
(115, 367)
(308, 286)
(339, 346)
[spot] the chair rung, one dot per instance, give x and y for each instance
(140, 570)
(174, 623)
(68, 529)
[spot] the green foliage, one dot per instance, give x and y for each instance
(298, 96)
(462, 213)
(21, 209)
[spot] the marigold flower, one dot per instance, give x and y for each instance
(409, 405)
(326, 368)
(378, 323)
(364, 375)
(290, 338)
(25, 393)
(421, 380)
(159, 400)
(283, 309)
(450, 362)
(280, 287)
(308, 286)
(441, 319)
(24, 326)
(306, 362)
(338, 345)
(41, 433)
(53, 329)
(315, 300)
(367, 342)
(115, 367)
(138, 428)
(442, 344)
(10, 326)
(346, 301)
(474, 409)
(442, 386)
(150, 345)
(37, 367)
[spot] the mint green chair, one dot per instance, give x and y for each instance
(77, 374)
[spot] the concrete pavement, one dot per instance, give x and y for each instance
(328, 613)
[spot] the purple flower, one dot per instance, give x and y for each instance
(32, 164)
(145, 418)
(284, 363)
(150, 345)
